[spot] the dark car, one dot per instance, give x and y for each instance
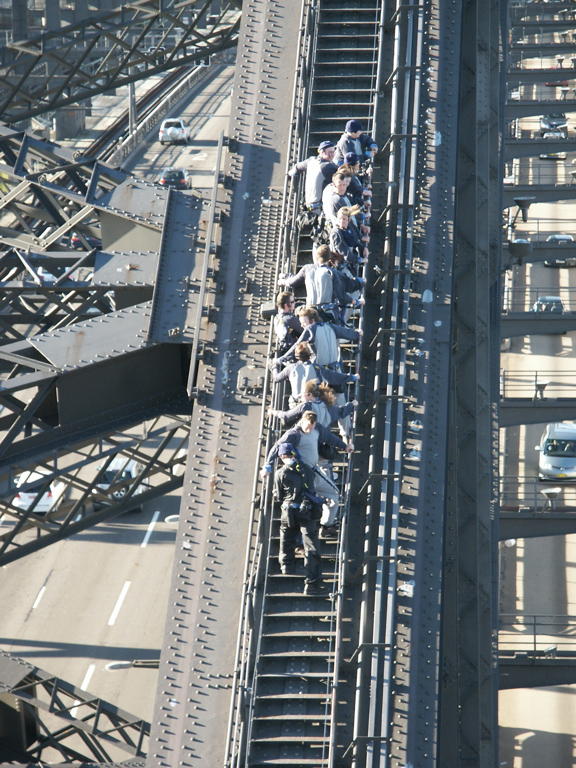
(553, 121)
(548, 304)
(560, 240)
(174, 178)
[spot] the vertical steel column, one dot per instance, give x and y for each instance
(469, 685)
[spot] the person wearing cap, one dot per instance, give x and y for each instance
(307, 436)
(299, 515)
(319, 170)
(355, 140)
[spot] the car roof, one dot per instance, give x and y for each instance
(548, 298)
(563, 430)
(560, 236)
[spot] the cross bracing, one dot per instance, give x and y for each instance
(111, 49)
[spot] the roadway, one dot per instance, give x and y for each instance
(538, 576)
(83, 608)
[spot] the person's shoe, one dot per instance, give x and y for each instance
(328, 532)
(314, 587)
(287, 569)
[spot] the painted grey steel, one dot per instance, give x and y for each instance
(144, 39)
(526, 410)
(47, 713)
(534, 252)
(531, 323)
(157, 453)
(526, 670)
(529, 524)
(468, 732)
(197, 662)
(534, 147)
(533, 107)
(518, 76)
(546, 192)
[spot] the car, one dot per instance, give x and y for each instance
(29, 484)
(122, 469)
(558, 84)
(555, 134)
(553, 156)
(553, 121)
(83, 240)
(173, 131)
(548, 304)
(557, 449)
(561, 240)
(175, 178)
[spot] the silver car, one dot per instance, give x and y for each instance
(557, 448)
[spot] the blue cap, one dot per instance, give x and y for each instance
(354, 125)
(351, 158)
(325, 145)
(286, 449)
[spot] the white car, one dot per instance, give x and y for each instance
(173, 131)
(29, 484)
(121, 469)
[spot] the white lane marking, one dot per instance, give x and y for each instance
(88, 677)
(84, 686)
(118, 606)
(39, 597)
(150, 528)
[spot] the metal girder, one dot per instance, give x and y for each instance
(528, 524)
(532, 323)
(535, 9)
(534, 147)
(468, 729)
(93, 376)
(111, 49)
(541, 26)
(517, 253)
(533, 107)
(544, 193)
(526, 410)
(533, 670)
(85, 491)
(49, 714)
(544, 49)
(517, 76)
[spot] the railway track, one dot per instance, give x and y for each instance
(295, 687)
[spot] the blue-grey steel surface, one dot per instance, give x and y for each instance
(197, 661)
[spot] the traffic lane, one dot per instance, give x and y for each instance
(539, 727)
(206, 115)
(87, 604)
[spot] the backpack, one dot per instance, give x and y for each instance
(299, 375)
(319, 285)
(325, 344)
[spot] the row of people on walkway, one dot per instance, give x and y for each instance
(337, 193)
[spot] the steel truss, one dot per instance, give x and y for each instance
(109, 50)
(48, 715)
(84, 361)
(156, 449)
